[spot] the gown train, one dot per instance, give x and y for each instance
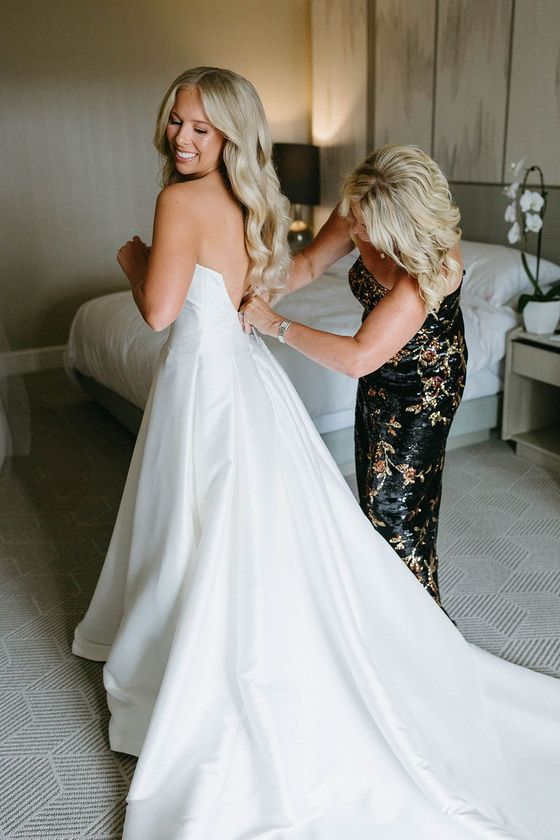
(275, 666)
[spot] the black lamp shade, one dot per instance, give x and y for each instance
(297, 165)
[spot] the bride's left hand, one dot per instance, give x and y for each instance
(256, 313)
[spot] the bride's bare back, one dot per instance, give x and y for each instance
(222, 239)
(196, 222)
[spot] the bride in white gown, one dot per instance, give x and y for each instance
(279, 672)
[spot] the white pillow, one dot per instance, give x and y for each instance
(495, 272)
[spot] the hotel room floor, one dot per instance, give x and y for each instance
(500, 578)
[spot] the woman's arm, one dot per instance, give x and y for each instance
(386, 330)
(160, 276)
(331, 243)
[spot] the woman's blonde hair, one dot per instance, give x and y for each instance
(232, 105)
(408, 213)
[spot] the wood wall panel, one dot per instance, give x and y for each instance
(472, 68)
(534, 111)
(339, 85)
(403, 77)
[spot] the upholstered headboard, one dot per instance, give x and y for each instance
(482, 209)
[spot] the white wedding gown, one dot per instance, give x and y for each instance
(277, 668)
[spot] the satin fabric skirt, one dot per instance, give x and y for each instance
(277, 669)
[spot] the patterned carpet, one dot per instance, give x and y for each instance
(500, 575)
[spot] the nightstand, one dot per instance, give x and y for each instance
(531, 413)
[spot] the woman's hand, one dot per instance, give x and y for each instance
(256, 313)
(133, 259)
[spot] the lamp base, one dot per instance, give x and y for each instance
(299, 235)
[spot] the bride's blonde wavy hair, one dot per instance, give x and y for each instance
(233, 106)
(409, 215)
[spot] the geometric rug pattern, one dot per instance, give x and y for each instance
(500, 549)
(500, 578)
(58, 777)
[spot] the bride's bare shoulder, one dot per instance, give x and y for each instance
(183, 192)
(187, 201)
(200, 197)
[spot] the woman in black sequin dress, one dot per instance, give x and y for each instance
(409, 355)
(403, 413)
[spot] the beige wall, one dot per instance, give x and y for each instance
(339, 78)
(82, 80)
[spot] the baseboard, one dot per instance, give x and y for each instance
(32, 360)
(458, 441)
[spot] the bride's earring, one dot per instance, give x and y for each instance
(381, 255)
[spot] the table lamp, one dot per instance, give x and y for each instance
(297, 166)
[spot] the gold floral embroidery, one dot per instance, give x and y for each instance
(408, 473)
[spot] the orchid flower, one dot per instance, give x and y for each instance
(511, 190)
(525, 213)
(511, 213)
(514, 233)
(533, 222)
(531, 202)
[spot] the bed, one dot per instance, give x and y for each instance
(112, 354)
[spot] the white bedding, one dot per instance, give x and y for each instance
(110, 342)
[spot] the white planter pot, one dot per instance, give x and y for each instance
(541, 317)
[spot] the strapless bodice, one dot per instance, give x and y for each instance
(208, 320)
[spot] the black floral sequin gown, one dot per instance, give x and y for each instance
(403, 413)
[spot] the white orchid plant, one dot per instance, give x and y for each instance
(525, 213)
